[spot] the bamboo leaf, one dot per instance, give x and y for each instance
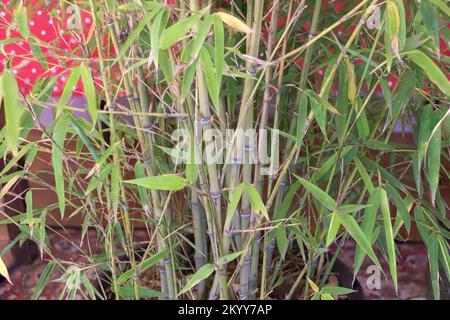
(201, 274)
(147, 263)
(401, 206)
(318, 193)
(367, 227)
(256, 201)
(177, 31)
(356, 233)
(200, 37)
(43, 279)
(89, 91)
(333, 229)
(219, 48)
(336, 290)
(301, 118)
(233, 22)
(127, 292)
(68, 89)
(155, 33)
(229, 257)
(164, 182)
(392, 31)
(234, 201)
(442, 6)
(319, 114)
(433, 257)
(282, 241)
(4, 271)
(59, 136)
(10, 94)
(20, 13)
(433, 157)
(133, 36)
(351, 78)
(432, 71)
(210, 77)
(389, 235)
(430, 19)
(192, 166)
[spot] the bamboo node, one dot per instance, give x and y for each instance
(215, 195)
(206, 121)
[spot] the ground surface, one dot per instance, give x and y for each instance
(412, 268)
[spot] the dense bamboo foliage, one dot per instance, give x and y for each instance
(331, 87)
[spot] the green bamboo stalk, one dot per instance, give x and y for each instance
(147, 150)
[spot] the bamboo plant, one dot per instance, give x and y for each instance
(326, 89)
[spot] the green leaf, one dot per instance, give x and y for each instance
(175, 32)
(401, 206)
(147, 263)
(155, 33)
(219, 48)
(433, 257)
(333, 229)
(442, 6)
(192, 166)
(89, 91)
(115, 188)
(432, 71)
(367, 226)
(188, 79)
(287, 202)
(128, 292)
(336, 290)
(20, 13)
(351, 208)
(200, 37)
(301, 118)
(318, 193)
(201, 274)
(427, 123)
(389, 235)
(210, 77)
(431, 19)
(229, 257)
(356, 233)
(433, 157)
(59, 136)
(234, 201)
(133, 36)
(10, 94)
(319, 114)
(68, 89)
(164, 182)
(39, 55)
(255, 200)
(282, 240)
(404, 94)
(43, 279)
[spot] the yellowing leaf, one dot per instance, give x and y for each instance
(4, 270)
(351, 77)
(314, 286)
(394, 25)
(234, 22)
